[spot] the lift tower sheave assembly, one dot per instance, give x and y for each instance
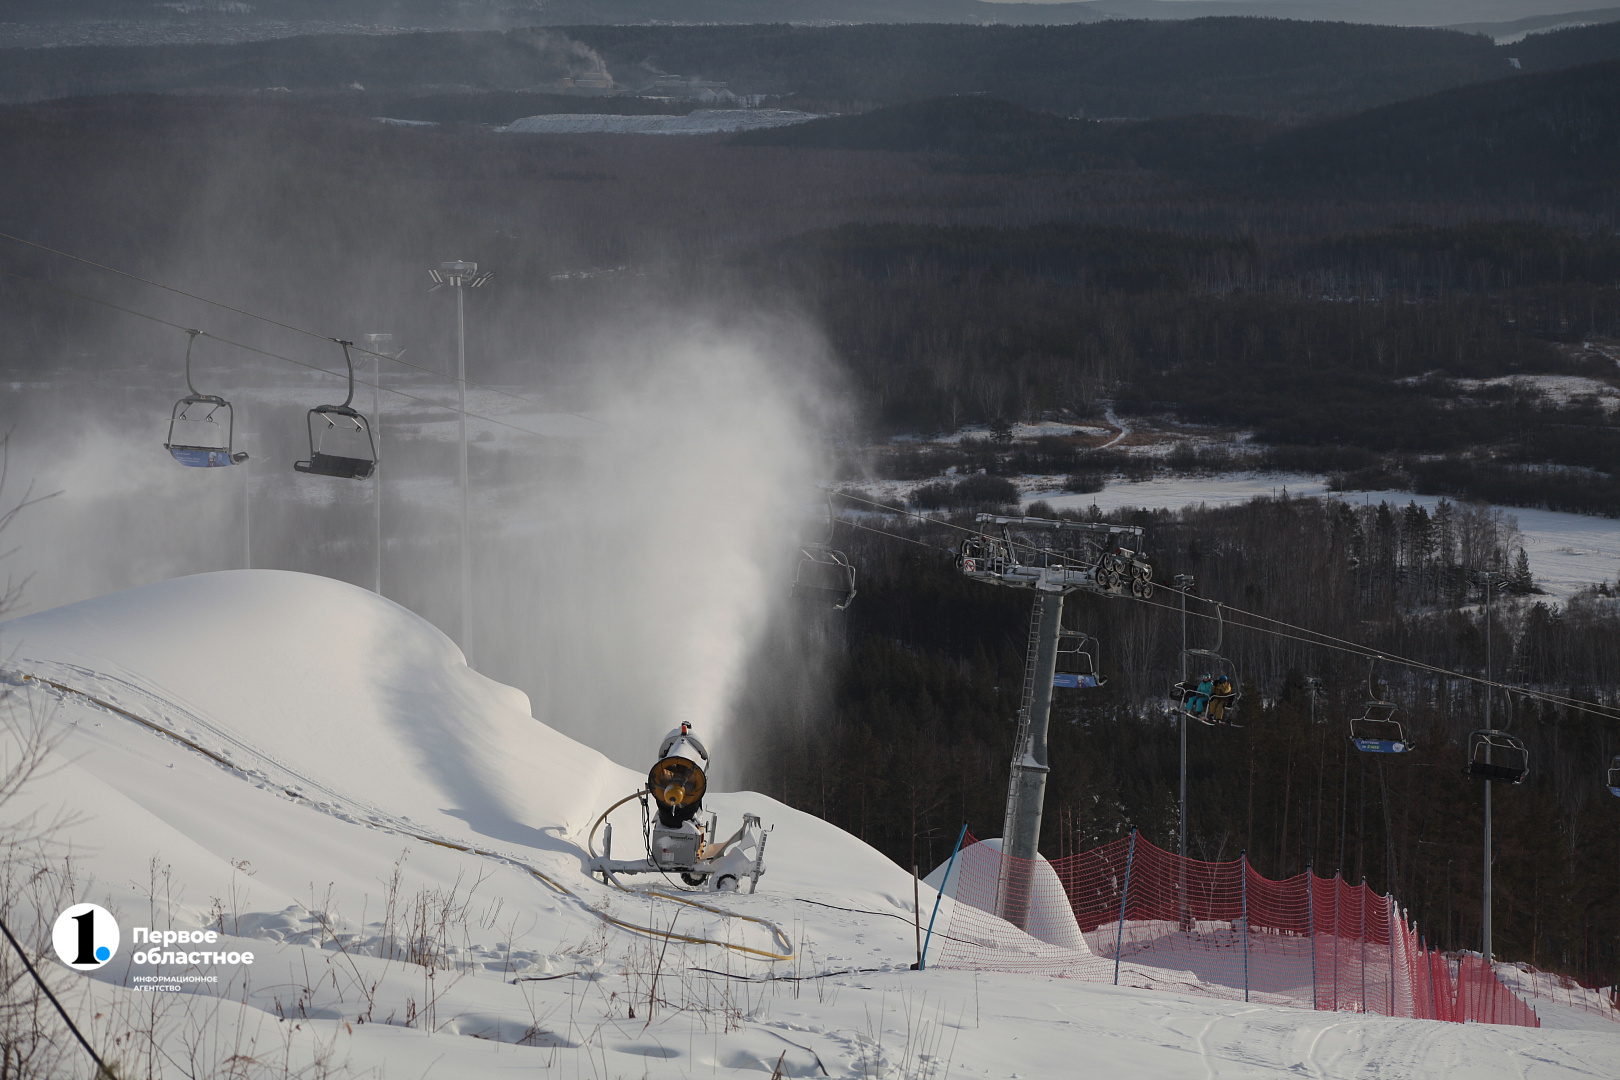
(1071, 556)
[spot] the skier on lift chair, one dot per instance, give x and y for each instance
(1220, 694)
(1198, 701)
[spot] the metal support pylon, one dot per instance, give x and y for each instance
(1026, 786)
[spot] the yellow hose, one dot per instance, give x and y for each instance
(782, 939)
(776, 931)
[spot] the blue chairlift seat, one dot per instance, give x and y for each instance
(1073, 680)
(200, 433)
(1376, 731)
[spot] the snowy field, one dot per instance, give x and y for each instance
(696, 122)
(1567, 552)
(349, 791)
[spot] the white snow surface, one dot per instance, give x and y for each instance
(696, 122)
(352, 728)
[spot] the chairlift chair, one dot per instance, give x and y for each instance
(1614, 777)
(824, 575)
(1078, 662)
(1212, 700)
(1496, 756)
(340, 439)
(1376, 731)
(201, 426)
(1210, 692)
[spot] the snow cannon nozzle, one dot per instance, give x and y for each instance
(677, 782)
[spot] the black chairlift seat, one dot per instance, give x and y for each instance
(340, 440)
(824, 576)
(1497, 757)
(201, 426)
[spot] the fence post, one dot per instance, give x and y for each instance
(1243, 868)
(946, 880)
(1363, 893)
(1119, 939)
(1434, 996)
(1389, 903)
(1310, 918)
(1338, 891)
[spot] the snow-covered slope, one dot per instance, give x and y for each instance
(339, 793)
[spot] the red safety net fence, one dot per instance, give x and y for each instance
(1134, 914)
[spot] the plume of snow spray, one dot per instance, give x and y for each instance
(677, 525)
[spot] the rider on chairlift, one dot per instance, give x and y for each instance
(1198, 701)
(1220, 695)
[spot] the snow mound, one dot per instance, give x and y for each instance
(334, 688)
(360, 708)
(696, 122)
(1051, 916)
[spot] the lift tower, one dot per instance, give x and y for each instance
(1052, 559)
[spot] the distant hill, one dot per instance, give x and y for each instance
(1256, 67)
(1265, 68)
(988, 134)
(1549, 137)
(1553, 136)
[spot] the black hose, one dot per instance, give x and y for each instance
(101, 1065)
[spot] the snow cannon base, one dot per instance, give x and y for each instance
(689, 849)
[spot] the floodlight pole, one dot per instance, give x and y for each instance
(247, 506)
(461, 421)
(1183, 582)
(378, 344)
(462, 275)
(1489, 579)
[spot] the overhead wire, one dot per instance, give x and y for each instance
(1316, 638)
(274, 322)
(277, 356)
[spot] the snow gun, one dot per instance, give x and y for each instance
(677, 840)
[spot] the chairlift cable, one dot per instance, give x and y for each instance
(277, 356)
(1320, 640)
(1367, 652)
(275, 322)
